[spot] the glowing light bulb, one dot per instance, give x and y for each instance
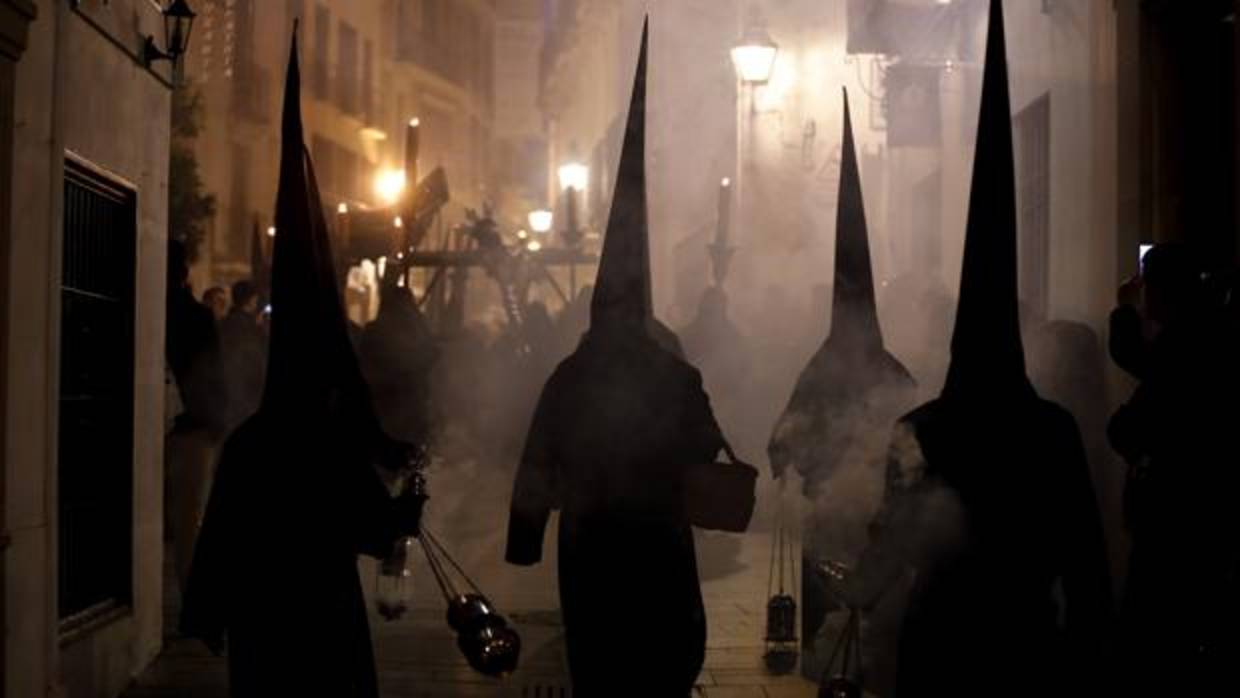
(540, 221)
(389, 185)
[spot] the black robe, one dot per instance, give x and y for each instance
(275, 568)
(617, 424)
(833, 433)
(993, 511)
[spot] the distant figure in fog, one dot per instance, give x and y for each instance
(617, 424)
(1067, 366)
(397, 353)
(1177, 432)
(540, 340)
(216, 299)
(834, 428)
(574, 320)
(193, 355)
(297, 494)
(988, 496)
(244, 354)
(712, 338)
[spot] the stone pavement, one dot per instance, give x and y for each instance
(417, 655)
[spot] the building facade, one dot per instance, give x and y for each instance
(368, 68)
(84, 280)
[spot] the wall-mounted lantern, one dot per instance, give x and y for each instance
(178, 24)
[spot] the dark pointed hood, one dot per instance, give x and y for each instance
(854, 313)
(622, 292)
(311, 366)
(987, 356)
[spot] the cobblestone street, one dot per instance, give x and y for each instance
(417, 656)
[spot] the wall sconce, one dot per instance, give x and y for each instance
(178, 24)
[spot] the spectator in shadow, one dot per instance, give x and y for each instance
(1176, 432)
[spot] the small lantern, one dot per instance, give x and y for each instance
(781, 634)
(782, 651)
(394, 583)
(178, 25)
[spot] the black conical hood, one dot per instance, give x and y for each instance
(987, 356)
(311, 365)
(854, 313)
(622, 292)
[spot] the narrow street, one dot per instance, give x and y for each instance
(417, 655)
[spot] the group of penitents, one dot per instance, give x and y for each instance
(988, 503)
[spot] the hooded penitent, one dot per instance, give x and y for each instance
(623, 299)
(618, 423)
(988, 496)
(835, 426)
(296, 496)
(852, 366)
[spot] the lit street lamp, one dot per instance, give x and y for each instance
(540, 221)
(754, 60)
(574, 177)
(754, 56)
(390, 185)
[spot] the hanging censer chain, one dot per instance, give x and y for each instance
(436, 554)
(781, 546)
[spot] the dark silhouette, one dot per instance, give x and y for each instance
(841, 408)
(617, 425)
(193, 355)
(712, 341)
(988, 494)
(1067, 366)
(574, 320)
(216, 300)
(1180, 611)
(397, 354)
(297, 495)
(243, 354)
(192, 345)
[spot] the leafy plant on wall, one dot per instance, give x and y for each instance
(190, 208)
